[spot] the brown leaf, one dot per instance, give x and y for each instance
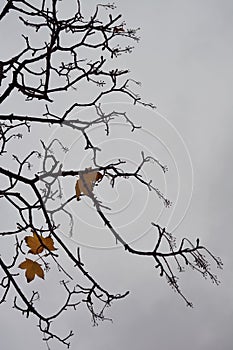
(34, 243)
(86, 184)
(48, 243)
(32, 269)
(38, 243)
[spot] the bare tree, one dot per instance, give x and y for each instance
(55, 60)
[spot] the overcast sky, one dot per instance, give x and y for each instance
(184, 61)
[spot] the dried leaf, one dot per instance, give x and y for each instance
(48, 243)
(86, 184)
(32, 269)
(38, 243)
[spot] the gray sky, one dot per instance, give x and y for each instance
(184, 61)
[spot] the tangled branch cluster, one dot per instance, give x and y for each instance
(42, 72)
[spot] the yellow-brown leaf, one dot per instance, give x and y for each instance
(37, 243)
(48, 243)
(86, 182)
(32, 268)
(34, 243)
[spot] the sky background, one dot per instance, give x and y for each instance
(184, 61)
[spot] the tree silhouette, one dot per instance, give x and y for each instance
(56, 60)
